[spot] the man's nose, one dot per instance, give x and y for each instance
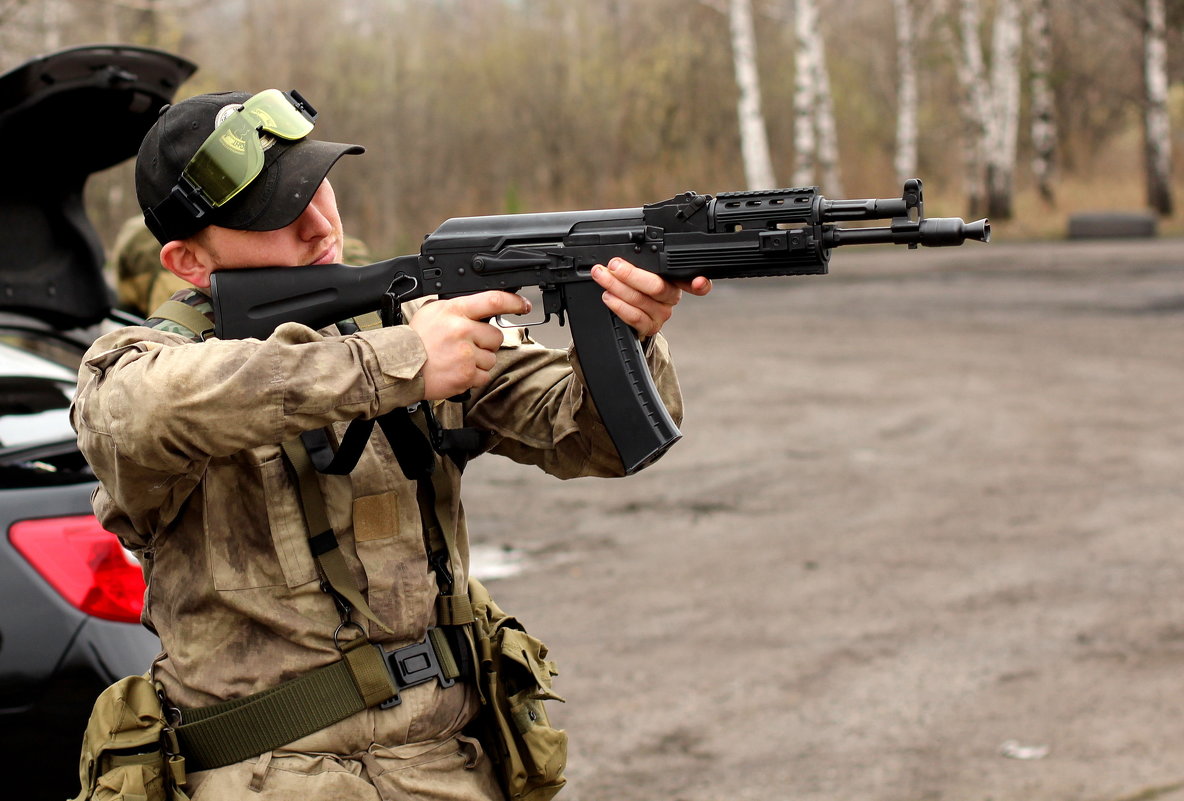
(313, 221)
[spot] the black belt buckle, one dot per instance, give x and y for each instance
(414, 664)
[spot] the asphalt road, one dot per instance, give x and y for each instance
(920, 542)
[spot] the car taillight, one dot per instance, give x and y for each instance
(85, 563)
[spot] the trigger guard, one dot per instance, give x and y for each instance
(508, 323)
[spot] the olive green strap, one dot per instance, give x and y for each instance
(185, 316)
(434, 498)
(454, 610)
(241, 728)
(322, 540)
(368, 321)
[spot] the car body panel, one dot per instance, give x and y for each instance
(63, 117)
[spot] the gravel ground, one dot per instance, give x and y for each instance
(920, 541)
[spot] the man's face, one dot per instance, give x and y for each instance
(315, 237)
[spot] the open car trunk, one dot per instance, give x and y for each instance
(63, 117)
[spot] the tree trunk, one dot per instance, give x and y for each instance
(52, 17)
(905, 160)
(968, 60)
(754, 142)
(1157, 134)
(825, 128)
(1005, 108)
(805, 95)
(1044, 127)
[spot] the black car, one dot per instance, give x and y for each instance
(70, 595)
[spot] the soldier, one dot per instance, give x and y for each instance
(192, 440)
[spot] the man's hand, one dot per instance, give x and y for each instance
(641, 298)
(461, 346)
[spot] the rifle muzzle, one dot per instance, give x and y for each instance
(932, 232)
(939, 232)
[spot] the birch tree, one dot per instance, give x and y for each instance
(754, 141)
(975, 99)
(824, 119)
(1044, 128)
(905, 161)
(990, 105)
(805, 18)
(815, 135)
(1003, 121)
(1157, 135)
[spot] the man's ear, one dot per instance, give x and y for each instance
(187, 260)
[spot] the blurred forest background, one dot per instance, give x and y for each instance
(497, 106)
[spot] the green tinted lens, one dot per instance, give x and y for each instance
(276, 115)
(228, 161)
(232, 156)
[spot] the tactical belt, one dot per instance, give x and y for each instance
(365, 676)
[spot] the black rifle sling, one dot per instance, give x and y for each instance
(410, 433)
(413, 452)
(411, 445)
(349, 451)
(339, 463)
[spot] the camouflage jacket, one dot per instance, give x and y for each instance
(184, 438)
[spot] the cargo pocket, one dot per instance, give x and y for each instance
(255, 536)
(527, 674)
(135, 777)
(514, 677)
(399, 584)
(122, 757)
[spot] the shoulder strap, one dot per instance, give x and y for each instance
(192, 322)
(322, 540)
(439, 535)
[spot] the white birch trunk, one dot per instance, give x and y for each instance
(1157, 127)
(905, 161)
(805, 92)
(825, 128)
(1044, 128)
(1005, 108)
(968, 60)
(754, 141)
(52, 19)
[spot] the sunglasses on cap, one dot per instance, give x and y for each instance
(233, 155)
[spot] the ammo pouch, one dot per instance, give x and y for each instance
(514, 678)
(127, 752)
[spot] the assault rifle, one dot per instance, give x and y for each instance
(778, 232)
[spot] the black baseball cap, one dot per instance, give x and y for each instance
(292, 171)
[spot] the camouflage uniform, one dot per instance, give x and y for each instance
(183, 437)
